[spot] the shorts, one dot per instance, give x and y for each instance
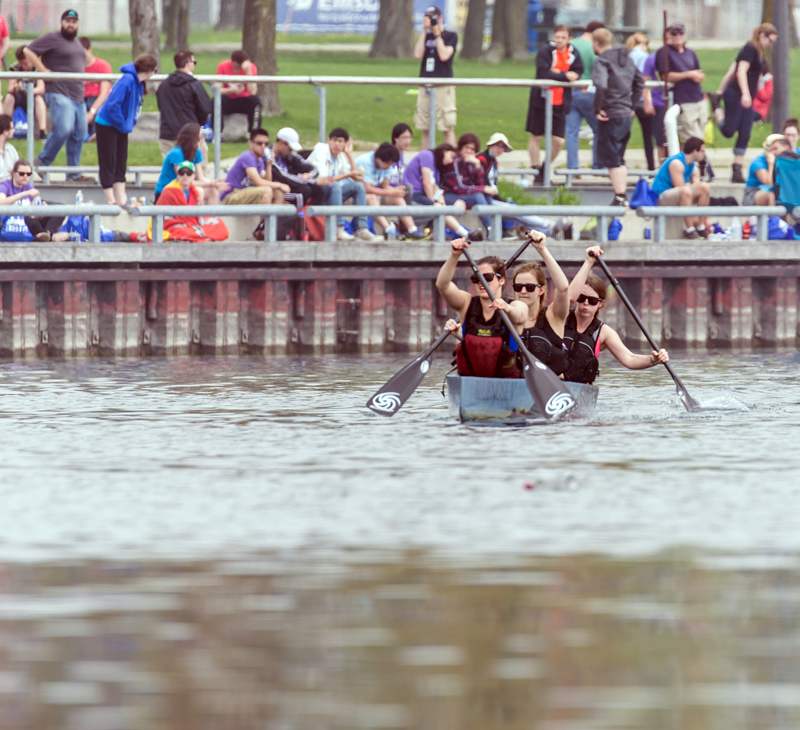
(243, 196)
(672, 196)
(612, 140)
(445, 109)
(21, 100)
(750, 196)
(535, 121)
(692, 120)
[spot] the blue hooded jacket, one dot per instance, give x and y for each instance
(121, 108)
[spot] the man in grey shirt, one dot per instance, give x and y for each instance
(62, 52)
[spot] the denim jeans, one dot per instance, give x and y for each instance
(582, 104)
(344, 190)
(472, 199)
(68, 118)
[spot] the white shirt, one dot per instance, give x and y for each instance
(7, 160)
(323, 161)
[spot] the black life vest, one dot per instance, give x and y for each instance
(546, 345)
(488, 350)
(583, 349)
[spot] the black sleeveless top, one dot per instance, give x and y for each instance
(545, 344)
(582, 350)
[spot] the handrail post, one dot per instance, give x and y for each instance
(323, 111)
(137, 179)
(497, 227)
(94, 228)
(158, 228)
(432, 119)
(31, 121)
(217, 90)
(762, 234)
(660, 224)
(568, 175)
(45, 176)
(438, 228)
(602, 228)
(548, 134)
(330, 227)
(272, 228)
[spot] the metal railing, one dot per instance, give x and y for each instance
(270, 212)
(137, 171)
(93, 212)
(437, 212)
(659, 215)
(604, 214)
(319, 83)
(569, 172)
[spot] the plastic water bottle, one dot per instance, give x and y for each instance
(79, 198)
(391, 232)
(736, 229)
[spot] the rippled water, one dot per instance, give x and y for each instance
(239, 543)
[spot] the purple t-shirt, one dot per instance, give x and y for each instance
(657, 95)
(237, 175)
(7, 188)
(413, 174)
(686, 91)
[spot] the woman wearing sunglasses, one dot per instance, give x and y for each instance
(586, 336)
(487, 349)
(543, 332)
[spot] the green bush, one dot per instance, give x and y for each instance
(558, 196)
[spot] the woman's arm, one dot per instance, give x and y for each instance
(428, 182)
(583, 273)
(726, 78)
(10, 199)
(455, 297)
(611, 340)
(558, 311)
(741, 77)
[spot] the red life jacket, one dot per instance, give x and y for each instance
(488, 350)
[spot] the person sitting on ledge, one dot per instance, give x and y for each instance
(678, 183)
(19, 190)
(190, 228)
(758, 189)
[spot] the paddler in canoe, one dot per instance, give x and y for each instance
(487, 348)
(586, 336)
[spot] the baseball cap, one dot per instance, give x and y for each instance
(677, 28)
(772, 138)
(499, 137)
(432, 11)
(69, 14)
(288, 135)
(186, 165)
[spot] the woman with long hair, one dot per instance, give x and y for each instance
(187, 149)
(638, 46)
(737, 91)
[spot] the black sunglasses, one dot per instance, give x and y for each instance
(489, 277)
(23, 174)
(677, 31)
(527, 287)
(185, 172)
(592, 300)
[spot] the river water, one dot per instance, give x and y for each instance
(238, 543)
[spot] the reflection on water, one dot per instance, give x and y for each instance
(238, 543)
(369, 640)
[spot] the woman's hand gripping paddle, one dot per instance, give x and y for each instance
(689, 403)
(392, 396)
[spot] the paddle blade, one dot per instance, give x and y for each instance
(689, 403)
(391, 397)
(550, 395)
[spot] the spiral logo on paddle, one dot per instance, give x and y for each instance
(386, 402)
(559, 403)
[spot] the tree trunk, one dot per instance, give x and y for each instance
(176, 24)
(472, 47)
(610, 12)
(231, 15)
(509, 32)
(145, 32)
(766, 17)
(394, 37)
(258, 41)
(630, 13)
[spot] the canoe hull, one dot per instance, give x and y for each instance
(473, 399)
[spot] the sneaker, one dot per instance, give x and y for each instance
(568, 233)
(736, 174)
(343, 235)
(714, 99)
(417, 235)
(620, 200)
(42, 134)
(702, 232)
(521, 231)
(691, 235)
(81, 179)
(43, 236)
(364, 234)
(562, 224)
(476, 235)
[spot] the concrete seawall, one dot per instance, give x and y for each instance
(134, 300)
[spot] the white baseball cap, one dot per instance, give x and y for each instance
(499, 137)
(288, 135)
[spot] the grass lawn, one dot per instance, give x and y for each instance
(369, 112)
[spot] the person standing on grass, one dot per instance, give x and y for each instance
(95, 92)
(737, 90)
(240, 98)
(649, 73)
(182, 100)
(62, 52)
(619, 86)
(582, 99)
(8, 153)
(435, 48)
(116, 120)
(638, 46)
(555, 61)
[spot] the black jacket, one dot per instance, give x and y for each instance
(182, 99)
(545, 59)
(288, 170)
(618, 83)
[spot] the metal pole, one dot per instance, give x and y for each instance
(94, 229)
(762, 228)
(330, 228)
(780, 65)
(548, 134)
(323, 111)
(217, 132)
(272, 228)
(31, 121)
(497, 227)
(438, 228)
(432, 120)
(602, 229)
(158, 228)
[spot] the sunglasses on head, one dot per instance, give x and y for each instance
(527, 287)
(489, 277)
(592, 300)
(184, 172)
